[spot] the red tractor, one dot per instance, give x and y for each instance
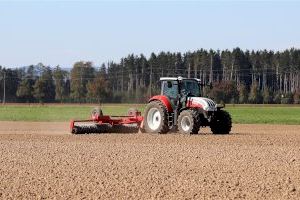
(180, 106)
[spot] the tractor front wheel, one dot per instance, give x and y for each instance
(221, 123)
(189, 122)
(156, 118)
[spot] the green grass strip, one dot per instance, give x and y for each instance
(244, 114)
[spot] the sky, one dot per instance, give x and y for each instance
(63, 32)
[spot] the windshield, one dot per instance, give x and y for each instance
(170, 89)
(192, 87)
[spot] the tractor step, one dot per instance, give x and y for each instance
(170, 119)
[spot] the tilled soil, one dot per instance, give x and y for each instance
(42, 160)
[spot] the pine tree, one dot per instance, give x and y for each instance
(59, 76)
(44, 89)
(254, 96)
(25, 90)
(297, 97)
(97, 88)
(81, 74)
(267, 97)
(243, 94)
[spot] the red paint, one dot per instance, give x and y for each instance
(192, 104)
(106, 119)
(71, 125)
(164, 100)
(112, 120)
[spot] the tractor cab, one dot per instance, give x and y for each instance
(171, 87)
(178, 89)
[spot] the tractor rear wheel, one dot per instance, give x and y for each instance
(156, 118)
(221, 123)
(189, 122)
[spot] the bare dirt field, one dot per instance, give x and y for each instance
(42, 160)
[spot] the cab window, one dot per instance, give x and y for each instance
(192, 87)
(170, 89)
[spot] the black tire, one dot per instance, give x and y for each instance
(160, 123)
(75, 130)
(221, 123)
(124, 129)
(86, 129)
(189, 122)
(103, 128)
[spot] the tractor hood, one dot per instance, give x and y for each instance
(201, 102)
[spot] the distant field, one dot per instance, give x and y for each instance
(245, 114)
(265, 115)
(57, 112)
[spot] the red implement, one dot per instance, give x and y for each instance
(100, 123)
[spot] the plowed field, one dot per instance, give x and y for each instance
(42, 160)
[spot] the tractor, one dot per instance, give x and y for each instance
(178, 107)
(181, 107)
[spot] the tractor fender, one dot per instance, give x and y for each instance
(164, 100)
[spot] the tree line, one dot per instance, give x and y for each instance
(237, 76)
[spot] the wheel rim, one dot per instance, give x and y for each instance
(153, 118)
(185, 123)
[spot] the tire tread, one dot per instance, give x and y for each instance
(224, 123)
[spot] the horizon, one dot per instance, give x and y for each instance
(62, 33)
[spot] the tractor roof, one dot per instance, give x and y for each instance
(179, 78)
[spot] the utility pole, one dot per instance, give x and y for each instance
(211, 69)
(81, 88)
(4, 88)
(136, 81)
(122, 79)
(151, 80)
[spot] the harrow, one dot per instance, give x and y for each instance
(100, 123)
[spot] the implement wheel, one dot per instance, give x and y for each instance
(132, 112)
(96, 112)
